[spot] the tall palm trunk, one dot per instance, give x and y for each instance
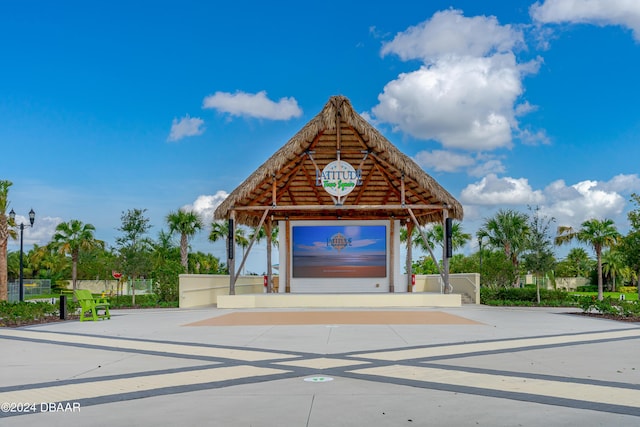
(4, 279)
(600, 287)
(4, 238)
(74, 270)
(184, 257)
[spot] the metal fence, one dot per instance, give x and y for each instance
(31, 287)
(141, 286)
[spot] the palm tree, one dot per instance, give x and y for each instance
(220, 231)
(261, 235)
(598, 234)
(187, 223)
(614, 266)
(510, 231)
(5, 234)
(435, 235)
(579, 262)
(71, 237)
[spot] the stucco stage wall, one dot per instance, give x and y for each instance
(462, 283)
(340, 300)
(198, 290)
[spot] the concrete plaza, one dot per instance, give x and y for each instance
(466, 366)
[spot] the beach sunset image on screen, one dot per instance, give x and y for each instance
(339, 251)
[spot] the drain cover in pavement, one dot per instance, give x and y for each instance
(318, 379)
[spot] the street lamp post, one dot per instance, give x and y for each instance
(32, 218)
(480, 254)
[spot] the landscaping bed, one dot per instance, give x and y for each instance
(15, 314)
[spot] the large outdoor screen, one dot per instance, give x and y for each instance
(339, 251)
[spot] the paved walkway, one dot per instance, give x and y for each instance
(463, 366)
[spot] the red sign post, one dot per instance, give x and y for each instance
(117, 276)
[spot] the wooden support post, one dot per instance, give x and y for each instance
(255, 236)
(424, 239)
(267, 231)
(273, 192)
(409, 262)
(402, 192)
(445, 259)
(287, 242)
(231, 248)
(392, 263)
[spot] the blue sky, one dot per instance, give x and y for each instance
(110, 105)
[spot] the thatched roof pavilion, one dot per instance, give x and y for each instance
(294, 185)
(391, 182)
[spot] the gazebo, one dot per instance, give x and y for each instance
(338, 171)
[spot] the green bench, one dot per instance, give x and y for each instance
(90, 306)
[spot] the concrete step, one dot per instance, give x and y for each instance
(466, 299)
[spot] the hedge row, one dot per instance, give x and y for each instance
(525, 297)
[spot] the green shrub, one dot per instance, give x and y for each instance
(629, 308)
(610, 306)
(142, 301)
(525, 296)
(628, 289)
(587, 303)
(21, 313)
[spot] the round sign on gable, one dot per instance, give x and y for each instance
(339, 178)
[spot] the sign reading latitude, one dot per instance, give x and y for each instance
(339, 178)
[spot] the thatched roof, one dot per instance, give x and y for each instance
(290, 175)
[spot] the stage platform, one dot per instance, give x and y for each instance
(360, 300)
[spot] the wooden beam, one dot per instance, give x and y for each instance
(364, 186)
(274, 200)
(338, 208)
(392, 252)
(231, 240)
(287, 242)
(426, 243)
(386, 166)
(359, 138)
(388, 178)
(267, 231)
(312, 184)
(338, 132)
(409, 261)
(255, 235)
(445, 260)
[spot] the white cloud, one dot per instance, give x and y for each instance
(41, 233)
(622, 183)
(443, 161)
(253, 105)
(477, 165)
(529, 137)
(465, 93)
(186, 126)
(572, 205)
(569, 204)
(205, 205)
(625, 13)
(450, 33)
(492, 190)
(491, 166)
